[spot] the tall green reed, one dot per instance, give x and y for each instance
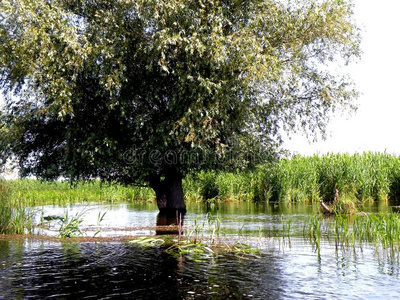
(34, 192)
(358, 178)
(15, 218)
(380, 229)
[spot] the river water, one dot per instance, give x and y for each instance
(111, 268)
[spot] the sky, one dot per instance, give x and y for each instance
(376, 124)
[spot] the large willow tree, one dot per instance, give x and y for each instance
(144, 91)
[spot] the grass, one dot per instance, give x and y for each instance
(379, 229)
(358, 178)
(31, 192)
(70, 226)
(15, 218)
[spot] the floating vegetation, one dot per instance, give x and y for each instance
(188, 248)
(195, 249)
(148, 241)
(200, 242)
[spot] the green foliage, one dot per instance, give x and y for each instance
(70, 226)
(209, 187)
(5, 209)
(222, 186)
(198, 243)
(100, 84)
(345, 205)
(358, 177)
(15, 218)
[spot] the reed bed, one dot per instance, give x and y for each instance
(380, 229)
(15, 218)
(357, 178)
(31, 192)
(223, 186)
(362, 177)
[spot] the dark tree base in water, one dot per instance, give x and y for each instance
(167, 219)
(172, 212)
(169, 193)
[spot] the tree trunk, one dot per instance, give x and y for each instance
(164, 222)
(169, 193)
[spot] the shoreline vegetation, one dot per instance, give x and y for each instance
(344, 182)
(357, 178)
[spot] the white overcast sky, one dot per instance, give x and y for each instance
(376, 124)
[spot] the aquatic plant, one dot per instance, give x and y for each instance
(220, 186)
(70, 226)
(381, 229)
(195, 249)
(100, 218)
(358, 178)
(286, 225)
(148, 241)
(312, 229)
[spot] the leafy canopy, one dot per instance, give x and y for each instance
(119, 89)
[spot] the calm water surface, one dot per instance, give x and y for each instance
(288, 269)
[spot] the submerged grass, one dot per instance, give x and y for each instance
(199, 242)
(196, 249)
(380, 229)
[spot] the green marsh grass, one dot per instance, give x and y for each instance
(348, 230)
(358, 178)
(34, 192)
(15, 218)
(5, 209)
